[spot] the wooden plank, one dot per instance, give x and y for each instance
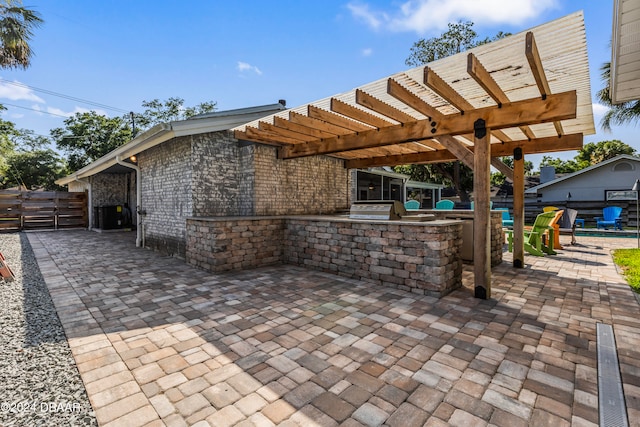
(482, 213)
(319, 124)
(268, 127)
(458, 149)
(315, 133)
(335, 119)
(518, 208)
(530, 111)
(381, 107)
(259, 133)
(348, 110)
(537, 69)
(442, 88)
(497, 163)
(399, 92)
(480, 74)
(539, 145)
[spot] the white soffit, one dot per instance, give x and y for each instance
(625, 51)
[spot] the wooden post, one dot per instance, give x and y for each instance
(482, 210)
(518, 208)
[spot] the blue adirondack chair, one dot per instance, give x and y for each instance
(507, 220)
(412, 205)
(610, 218)
(445, 204)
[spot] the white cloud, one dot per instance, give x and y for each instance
(599, 109)
(367, 52)
(15, 91)
(244, 66)
(421, 16)
(362, 12)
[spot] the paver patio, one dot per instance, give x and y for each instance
(160, 343)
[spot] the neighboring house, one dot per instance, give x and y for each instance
(196, 168)
(592, 183)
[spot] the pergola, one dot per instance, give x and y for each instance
(524, 94)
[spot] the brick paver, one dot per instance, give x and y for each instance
(160, 343)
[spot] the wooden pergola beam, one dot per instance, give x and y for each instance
(439, 86)
(260, 135)
(442, 88)
(249, 135)
(348, 110)
(535, 62)
(540, 145)
(319, 124)
(272, 129)
(335, 119)
(530, 111)
(313, 132)
(375, 104)
(399, 92)
(480, 74)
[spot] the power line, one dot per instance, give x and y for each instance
(61, 95)
(33, 109)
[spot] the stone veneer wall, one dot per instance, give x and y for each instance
(235, 243)
(167, 195)
(497, 234)
(420, 257)
(308, 185)
(111, 189)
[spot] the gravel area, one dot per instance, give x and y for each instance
(39, 382)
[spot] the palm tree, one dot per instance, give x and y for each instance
(16, 29)
(618, 114)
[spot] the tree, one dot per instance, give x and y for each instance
(590, 154)
(562, 166)
(16, 29)
(172, 109)
(8, 133)
(459, 36)
(27, 159)
(88, 136)
(618, 114)
(36, 169)
(593, 153)
(498, 178)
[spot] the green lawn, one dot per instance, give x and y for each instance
(629, 261)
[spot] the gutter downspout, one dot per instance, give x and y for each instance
(138, 199)
(89, 202)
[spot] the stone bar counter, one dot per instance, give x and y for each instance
(418, 256)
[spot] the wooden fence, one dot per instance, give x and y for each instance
(34, 210)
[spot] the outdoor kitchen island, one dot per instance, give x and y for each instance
(415, 255)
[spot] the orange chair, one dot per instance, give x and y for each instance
(555, 223)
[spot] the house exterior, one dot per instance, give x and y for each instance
(196, 168)
(597, 183)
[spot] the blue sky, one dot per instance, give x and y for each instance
(252, 52)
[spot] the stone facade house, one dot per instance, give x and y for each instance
(196, 168)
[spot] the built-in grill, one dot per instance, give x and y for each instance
(384, 210)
